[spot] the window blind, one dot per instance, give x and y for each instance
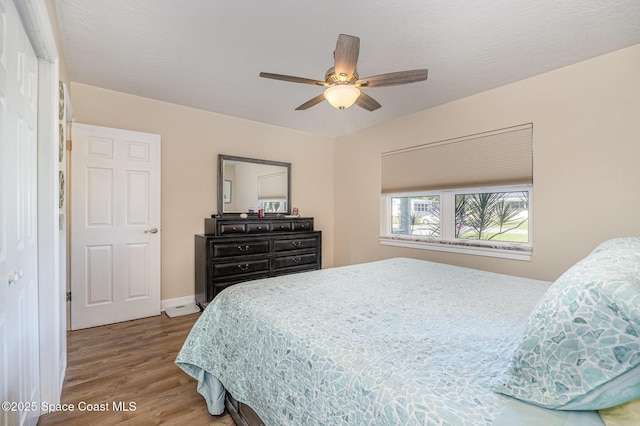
(273, 186)
(501, 157)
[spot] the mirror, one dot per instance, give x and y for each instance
(248, 184)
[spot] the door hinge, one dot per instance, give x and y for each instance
(68, 296)
(69, 145)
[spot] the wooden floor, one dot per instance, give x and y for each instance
(131, 364)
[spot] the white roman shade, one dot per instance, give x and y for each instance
(497, 158)
(273, 186)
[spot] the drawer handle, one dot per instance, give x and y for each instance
(296, 243)
(302, 226)
(243, 267)
(245, 248)
(297, 259)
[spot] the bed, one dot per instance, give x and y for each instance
(404, 342)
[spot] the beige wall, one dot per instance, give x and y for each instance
(191, 142)
(586, 125)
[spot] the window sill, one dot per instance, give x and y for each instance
(514, 253)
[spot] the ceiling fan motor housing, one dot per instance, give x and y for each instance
(332, 78)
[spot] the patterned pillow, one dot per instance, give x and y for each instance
(581, 346)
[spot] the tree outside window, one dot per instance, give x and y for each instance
(496, 216)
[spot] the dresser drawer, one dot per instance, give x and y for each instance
(293, 261)
(282, 226)
(302, 225)
(241, 267)
(223, 283)
(240, 248)
(294, 244)
(233, 228)
(258, 227)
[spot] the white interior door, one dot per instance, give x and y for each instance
(115, 225)
(19, 337)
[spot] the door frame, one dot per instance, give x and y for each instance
(117, 234)
(51, 316)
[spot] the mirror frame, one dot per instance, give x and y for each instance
(222, 158)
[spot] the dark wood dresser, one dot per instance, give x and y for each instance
(234, 250)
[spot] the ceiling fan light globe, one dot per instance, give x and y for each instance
(342, 96)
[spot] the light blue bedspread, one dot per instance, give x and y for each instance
(394, 342)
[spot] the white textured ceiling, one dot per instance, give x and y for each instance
(207, 54)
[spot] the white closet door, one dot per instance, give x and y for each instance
(19, 338)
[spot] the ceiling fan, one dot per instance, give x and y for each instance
(342, 82)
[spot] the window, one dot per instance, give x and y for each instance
(490, 221)
(470, 194)
(273, 205)
(493, 216)
(416, 215)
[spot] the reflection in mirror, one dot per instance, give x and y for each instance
(248, 184)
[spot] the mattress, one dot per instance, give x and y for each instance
(397, 341)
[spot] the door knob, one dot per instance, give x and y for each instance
(15, 277)
(151, 231)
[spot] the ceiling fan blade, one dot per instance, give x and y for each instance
(367, 102)
(346, 55)
(311, 102)
(393, 78)
(292, 79)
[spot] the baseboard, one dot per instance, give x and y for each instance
(178, 301)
